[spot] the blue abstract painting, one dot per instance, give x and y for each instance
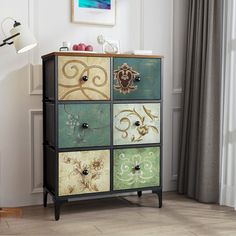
(98, 4)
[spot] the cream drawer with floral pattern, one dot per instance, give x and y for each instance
(136, 123)
(84, 172)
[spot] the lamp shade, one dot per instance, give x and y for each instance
(25, 41)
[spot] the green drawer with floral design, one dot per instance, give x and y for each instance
(84, 125)
(137, 123)
(135, 168)
(84, 172)
(137, 78)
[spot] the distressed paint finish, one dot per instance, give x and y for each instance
(71, 120)
(72, 165)
(149, 70)
(126, 115)
(71, 85)
(126, 177)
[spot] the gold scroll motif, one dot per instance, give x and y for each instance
(124, 78)
(73, 87)
(148, 129)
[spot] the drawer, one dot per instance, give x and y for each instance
(137, 78)
(136, 168)
(84, 125)
(136, 123)
(83, 78)
(84, 172)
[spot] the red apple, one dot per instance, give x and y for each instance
(81, 47)
(89, 48)
(75, 47)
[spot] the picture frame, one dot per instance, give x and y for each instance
(98, 12)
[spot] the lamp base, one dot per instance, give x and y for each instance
(10, 212)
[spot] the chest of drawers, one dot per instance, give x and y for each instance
(102, 122)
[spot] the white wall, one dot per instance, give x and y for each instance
(21, 120)
(158, 24)
(165, 25)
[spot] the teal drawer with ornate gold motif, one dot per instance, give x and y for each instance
(135, 168)
(137, 78)
(137, 123)
(84, 125)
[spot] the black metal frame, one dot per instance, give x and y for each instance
(59, 200)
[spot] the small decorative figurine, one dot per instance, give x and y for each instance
(108, 45)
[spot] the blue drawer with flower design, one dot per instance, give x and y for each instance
(83, 125)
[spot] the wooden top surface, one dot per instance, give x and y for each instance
(80, 54)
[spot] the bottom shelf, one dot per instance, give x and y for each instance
(59, 201)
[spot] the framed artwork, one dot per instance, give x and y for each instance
(100, 12)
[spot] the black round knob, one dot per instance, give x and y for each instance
(85, 172)
(137, 78)
(137, 167)
(137, 123)
(85, 125)
(85, 78)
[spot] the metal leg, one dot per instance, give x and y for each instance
(139, 193)
(45, 198)
(160, 198)
(57, 208)
(159, 194)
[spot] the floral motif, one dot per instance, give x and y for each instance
(84, 174)
(125, 77)
(71, 188)
(93, 170)
(97, 164)
(143, 130)
(74, 124)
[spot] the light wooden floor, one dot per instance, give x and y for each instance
(126, 216)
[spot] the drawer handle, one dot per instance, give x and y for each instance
(85, 172)
(137, 78)
(85, 78)
(137, 167)
(137, 123)
(85, 125)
